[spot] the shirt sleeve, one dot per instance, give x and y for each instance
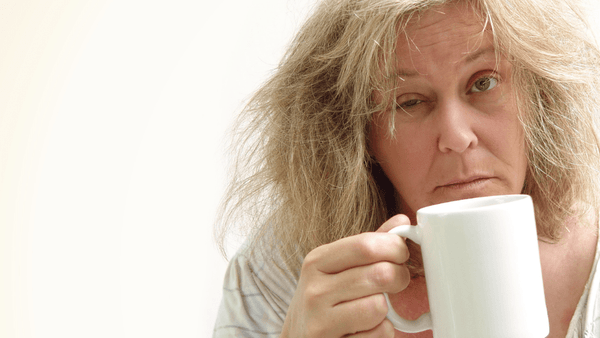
(256, 295)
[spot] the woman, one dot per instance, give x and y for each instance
(382, 107)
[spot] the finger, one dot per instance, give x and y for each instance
(385, 329)
(393, 222)
(368, 280)
(363, 249)
(360, 315)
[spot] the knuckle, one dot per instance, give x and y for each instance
(376, 247)
(405, 272)
(398, 220)
(402, 219)
(313, 293)
(370, 246)
(383, 274)
(310, 261)
(402, 279)
(380, 307)
(386, 329)
(403, 252)
(372, 310)
(374, 319)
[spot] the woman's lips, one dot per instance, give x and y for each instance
(471, 182)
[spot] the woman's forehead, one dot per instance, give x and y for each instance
(452, 32)
(446, 22)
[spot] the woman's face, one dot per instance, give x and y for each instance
(457, 134)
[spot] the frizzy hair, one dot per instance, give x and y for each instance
(304, 176)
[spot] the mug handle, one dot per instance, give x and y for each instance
(424, 322)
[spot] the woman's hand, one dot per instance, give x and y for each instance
(341, 284)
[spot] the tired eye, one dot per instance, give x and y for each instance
(412, 104)
(484, 83)
(409, 103)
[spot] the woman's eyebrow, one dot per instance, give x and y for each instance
(402, 73)
(474, 56)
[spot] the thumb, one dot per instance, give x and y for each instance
(394, 222)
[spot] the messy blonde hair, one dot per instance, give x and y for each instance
(304, 176)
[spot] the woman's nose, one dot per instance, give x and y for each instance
(455, 123)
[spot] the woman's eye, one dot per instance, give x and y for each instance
(409, 103)
(483, 84)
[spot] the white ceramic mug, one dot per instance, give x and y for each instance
(482, 269)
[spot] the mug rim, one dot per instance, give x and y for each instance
(472, 204)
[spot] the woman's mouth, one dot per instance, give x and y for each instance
(465, 184)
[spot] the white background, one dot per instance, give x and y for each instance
(113, 119)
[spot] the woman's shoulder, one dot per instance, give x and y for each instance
(587, 314)
(266, 265)
(568, 267)
(257, 291)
